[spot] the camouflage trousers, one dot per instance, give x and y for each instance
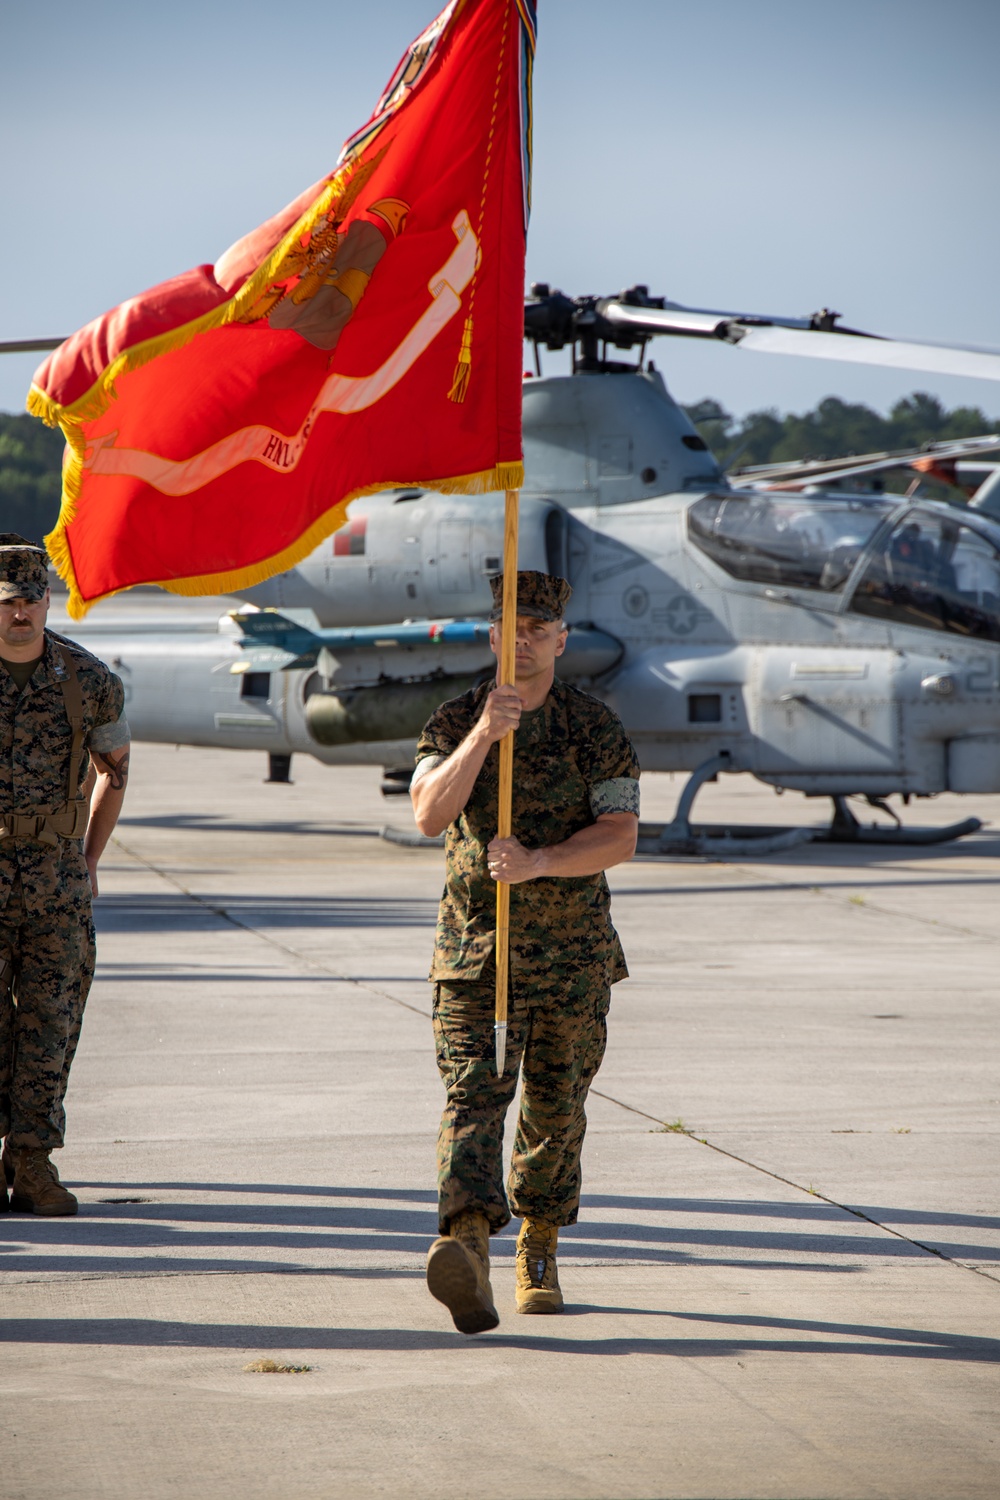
(51, 961)
(557, 1031)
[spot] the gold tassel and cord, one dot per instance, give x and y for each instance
(463, 369)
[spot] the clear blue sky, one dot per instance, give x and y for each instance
(766, 155)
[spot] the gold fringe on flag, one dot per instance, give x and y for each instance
(501, 477)
(463, 369)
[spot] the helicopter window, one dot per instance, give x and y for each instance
(614, 457)
(255, 685)
(808, 543)
(936, 574)
(704, 708)
(694, 441)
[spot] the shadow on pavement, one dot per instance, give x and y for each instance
(754, 1208)
(757, 887)
(275, 1189)
(846, 856)
(175, 911)
(842, 1338)
(180, 1228)
(747, 1207)
(221, 823)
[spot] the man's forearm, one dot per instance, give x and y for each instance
(105, 805)
(609, 841)
(440, 795)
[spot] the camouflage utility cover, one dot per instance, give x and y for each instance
(35, 741)
(24, 572)
(572, 762)
(543, 596)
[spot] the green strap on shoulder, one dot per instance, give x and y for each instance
(73, 699)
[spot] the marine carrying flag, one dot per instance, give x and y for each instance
(367, 336)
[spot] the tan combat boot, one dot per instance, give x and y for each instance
(458, 1273)
(537, 1283)
(37, 1189)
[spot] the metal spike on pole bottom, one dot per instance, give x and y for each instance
(505, 790)
(500, 1032)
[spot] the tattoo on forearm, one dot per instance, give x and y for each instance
(116, 767)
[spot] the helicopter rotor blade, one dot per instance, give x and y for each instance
(689, 322)
(800, 336)
(939, 359)
(29, 346)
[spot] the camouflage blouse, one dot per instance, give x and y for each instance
(35, 741)
(572, 762)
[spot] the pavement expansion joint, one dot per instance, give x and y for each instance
(830, 891)
(226, 916)
(846, 1208)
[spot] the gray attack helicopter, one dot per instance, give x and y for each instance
(826, 639)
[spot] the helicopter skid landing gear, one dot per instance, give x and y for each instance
(845, 829)
(681, 836)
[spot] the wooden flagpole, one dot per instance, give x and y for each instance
(508, 642)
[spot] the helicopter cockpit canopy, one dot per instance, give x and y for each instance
(935, 573)
(784, 540)
(927, 569)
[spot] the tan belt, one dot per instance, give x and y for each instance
(70, 822)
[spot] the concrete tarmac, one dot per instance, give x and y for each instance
(785, 1281)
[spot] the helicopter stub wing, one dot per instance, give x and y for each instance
(273, 641)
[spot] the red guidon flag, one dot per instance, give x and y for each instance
(367, 336)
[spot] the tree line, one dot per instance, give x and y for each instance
(31, 454)
(835, 429)
(30, 475)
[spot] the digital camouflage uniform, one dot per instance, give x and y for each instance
(46, 927)
(572, 762)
